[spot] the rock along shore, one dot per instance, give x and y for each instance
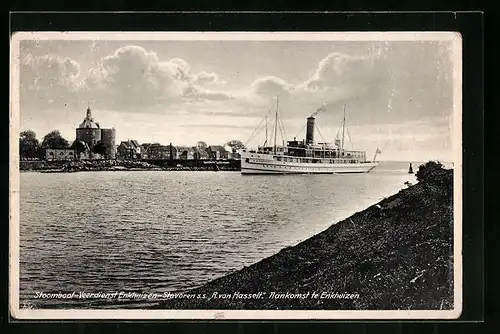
(122, 165)
(397, 254)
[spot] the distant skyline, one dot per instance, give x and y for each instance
(398, 94)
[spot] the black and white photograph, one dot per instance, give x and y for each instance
(236, 175)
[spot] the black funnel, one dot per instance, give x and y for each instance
(310, 130)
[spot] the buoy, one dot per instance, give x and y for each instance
(410, 170)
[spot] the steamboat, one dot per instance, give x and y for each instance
(305, 156)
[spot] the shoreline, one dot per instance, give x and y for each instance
(396, 254)
(127, 165)
(49, 171)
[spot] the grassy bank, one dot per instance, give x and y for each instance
(397, 254)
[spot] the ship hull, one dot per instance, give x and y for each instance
(265, 164)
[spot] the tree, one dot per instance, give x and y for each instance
(28, 144)
(235, 145)
(435, 176)
(54, 140)
(201, 145)
(431, 171)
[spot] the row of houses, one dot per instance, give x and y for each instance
(67, 154)
(131, 149)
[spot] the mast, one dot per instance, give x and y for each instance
(377, 151)
(343, 132)
(276, 124)
(265, 143)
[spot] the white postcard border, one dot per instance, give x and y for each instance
(46, 314)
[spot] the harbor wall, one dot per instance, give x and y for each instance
(226, 164)
(176, 164)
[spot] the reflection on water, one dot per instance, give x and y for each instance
(170, 231)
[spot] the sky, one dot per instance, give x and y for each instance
(398, 95)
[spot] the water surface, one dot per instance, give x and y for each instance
(170, 231)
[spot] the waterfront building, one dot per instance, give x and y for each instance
(156, 151)
(217, 152)
(148, 150)
(200, 154)
(130, 150)
(185, 153)
(60, 154)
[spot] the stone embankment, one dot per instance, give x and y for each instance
(125, 165)
(85, 165)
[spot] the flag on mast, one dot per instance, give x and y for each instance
(377, 151)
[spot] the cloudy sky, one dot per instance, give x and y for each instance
(398, 94)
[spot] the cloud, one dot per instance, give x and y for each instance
(336, 69)
(199, 93)
(219, 126)
(179, 69)
(377, 85)
(271, 86)
(203, 78)
(50, 70)
(396, 81)
(48, 79)
(338, 72)
(337, 78)
(133, 78)
(234, 112)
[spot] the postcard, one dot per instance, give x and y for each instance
(236, 175)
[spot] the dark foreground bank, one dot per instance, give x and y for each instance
(397, 254)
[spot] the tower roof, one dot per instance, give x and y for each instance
(88, 121)
(89, 124)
